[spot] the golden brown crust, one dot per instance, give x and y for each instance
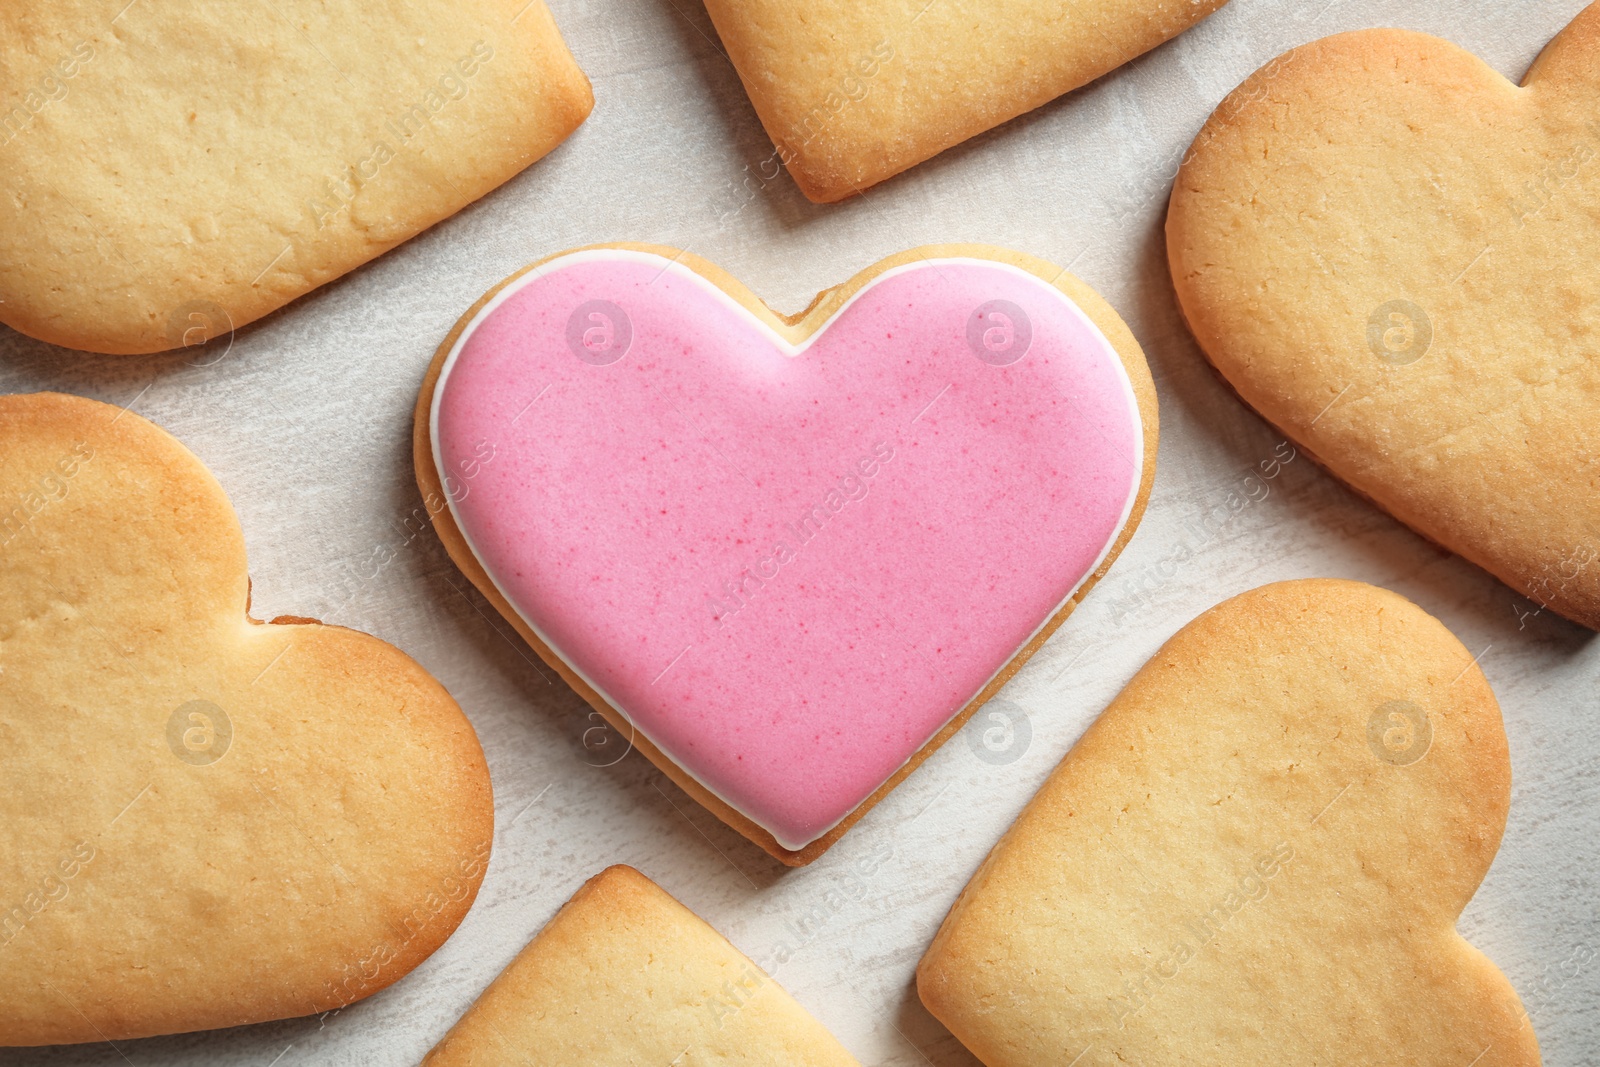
(796, 328)
(246, 155)
(855, 91)
(1384, 246)
(625, 976)
(1276, 724)
(316, 832)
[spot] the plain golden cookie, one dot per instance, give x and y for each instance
(1255, 857)
(171, 171)
(205, 821)
(855, 91)
(1388, 250)
(625, 976)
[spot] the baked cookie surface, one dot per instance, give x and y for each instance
(172, 171)
(625, 976)
(855, 91)
(1388, 250)
(1255, 856)
(786, 557)
(205, 821)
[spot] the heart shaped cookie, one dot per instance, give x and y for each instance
(1387, 249)
(855, 91)
(205, 821)
(786, 556)
(242, 155)
(1256, 856)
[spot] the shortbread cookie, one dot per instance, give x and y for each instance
(625, 976)
(1255, 857)
(787, 556)
(1388, 250)
(855, 91)
(204, 820)
(172, 171)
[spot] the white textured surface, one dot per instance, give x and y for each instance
(307, 423)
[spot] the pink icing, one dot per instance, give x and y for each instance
(645, 507)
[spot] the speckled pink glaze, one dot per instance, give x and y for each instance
(648, 517)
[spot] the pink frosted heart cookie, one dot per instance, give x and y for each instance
(787, 556)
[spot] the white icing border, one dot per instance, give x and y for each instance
(788, 348)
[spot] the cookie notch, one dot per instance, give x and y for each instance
(796, 329)
(208, 821)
